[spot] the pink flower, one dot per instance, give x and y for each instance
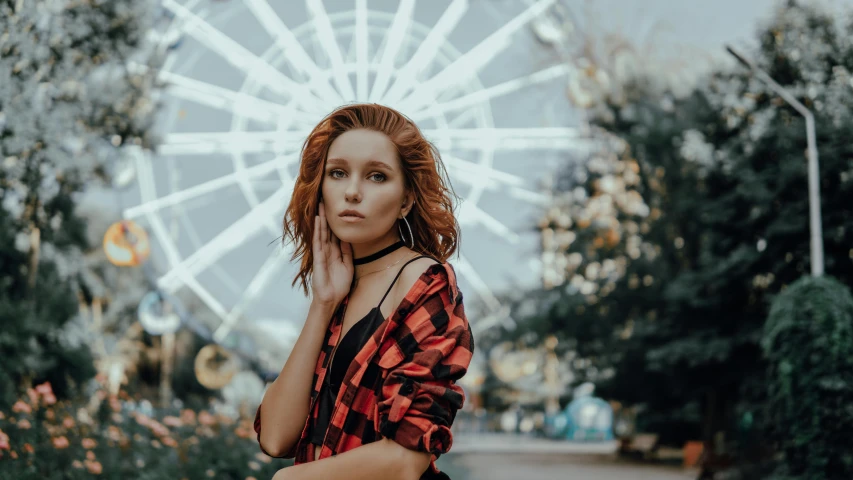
(29, 448)
(187, 416)
(60, 442)
(4, 441)
(24, 424)
(2, 416)
(21, 407)
(159, 429)
(94, 467)
(49, 399)
(170, 442)
(44, 389)
(77, 464)
(205, 418)
(34, 396)
(88, 443)
(172, 421)
(68, 422)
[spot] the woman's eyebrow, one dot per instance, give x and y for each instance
(370, 163)
(378, 164)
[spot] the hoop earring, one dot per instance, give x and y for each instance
(411, 236)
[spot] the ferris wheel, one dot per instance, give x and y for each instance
(255, 77)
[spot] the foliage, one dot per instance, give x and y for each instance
(808, 341)
(723, 173)
(68, 104)
(43, 438)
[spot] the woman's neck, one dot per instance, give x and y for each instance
(386, 261)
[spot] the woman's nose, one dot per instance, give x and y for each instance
(353, 192)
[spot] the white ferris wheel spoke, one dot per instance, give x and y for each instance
(471, 214)
(240, 142)
(393, 42)
(330, 44)
(427, 51)
(485, 176)
(361, 48)
(472, 60)
(203, 188)
(237, 103)
(265, 275)
(147, 189)
(295, 54)
(544, 138)
(482, 96)
(241, 58)
(228, 239)
(483, 291)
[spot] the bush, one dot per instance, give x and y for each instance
(808, 340)
(43, 438)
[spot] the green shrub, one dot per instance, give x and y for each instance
(808, 341)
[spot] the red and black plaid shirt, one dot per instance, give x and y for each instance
(402, 384)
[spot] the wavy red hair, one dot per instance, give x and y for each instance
(434, 226)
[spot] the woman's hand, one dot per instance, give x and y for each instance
(333, 270)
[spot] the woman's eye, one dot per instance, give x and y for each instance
(378, 177)
(336, 173)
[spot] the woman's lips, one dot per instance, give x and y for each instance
(351, 218)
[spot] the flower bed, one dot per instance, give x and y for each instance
(42, 438)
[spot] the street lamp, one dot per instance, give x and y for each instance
(814, 181)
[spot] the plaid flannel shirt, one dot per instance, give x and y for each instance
(401, 384)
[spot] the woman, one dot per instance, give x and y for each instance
(368, 391)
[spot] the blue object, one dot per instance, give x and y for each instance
(589, 419)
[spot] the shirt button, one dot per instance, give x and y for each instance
(407, 389)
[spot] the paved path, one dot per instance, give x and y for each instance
(481, 466)
(504, 443)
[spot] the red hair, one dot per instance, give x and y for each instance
(434, 226)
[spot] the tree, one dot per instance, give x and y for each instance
(68, 104)
(808, 341)
(723, 171)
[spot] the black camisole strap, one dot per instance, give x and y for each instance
(398, 276)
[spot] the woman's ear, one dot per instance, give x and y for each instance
(408, 203)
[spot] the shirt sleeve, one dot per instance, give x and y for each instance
(290, 454)
(419, 396)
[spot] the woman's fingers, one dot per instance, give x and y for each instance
(336, 248)
(317, 246)
(324, 226)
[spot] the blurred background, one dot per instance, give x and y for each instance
(655, 200)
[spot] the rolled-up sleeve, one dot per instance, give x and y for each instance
(420, 397)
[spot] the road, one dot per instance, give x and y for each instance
(529, 466)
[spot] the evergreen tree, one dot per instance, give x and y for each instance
(68, 103)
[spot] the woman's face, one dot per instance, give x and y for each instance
(364, 177)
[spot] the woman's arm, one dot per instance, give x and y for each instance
(380, 460)
(284, 408)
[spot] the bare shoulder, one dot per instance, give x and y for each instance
(410, 275)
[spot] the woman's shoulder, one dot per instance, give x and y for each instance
(423, 276)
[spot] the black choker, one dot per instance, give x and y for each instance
(378, 255)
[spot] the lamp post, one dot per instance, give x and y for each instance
(815, 227)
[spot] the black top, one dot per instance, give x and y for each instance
(348, 347)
